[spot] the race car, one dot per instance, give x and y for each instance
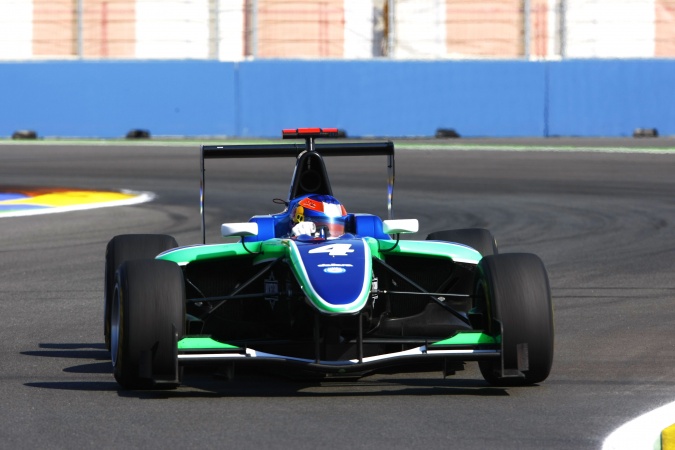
(318, 291)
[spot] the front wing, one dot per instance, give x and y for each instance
(463, 346)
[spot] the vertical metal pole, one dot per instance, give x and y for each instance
(79, 37)
(217, 30)
(563, 29)
(317, 338)
(392, 29)
(390, 187)
(359, 339)
(104, 30)
(214, 30)
(254, 29)
(202, 187)
(527, 28)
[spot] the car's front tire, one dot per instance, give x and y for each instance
(147, 320)
(514, 292)
(122, 248)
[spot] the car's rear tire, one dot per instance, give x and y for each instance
(477, 238)
(514, 291)
(125, 247)
(147, 320)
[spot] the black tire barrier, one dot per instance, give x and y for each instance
(442, 133)
(24, 134)
(138, 134)
(645, 132)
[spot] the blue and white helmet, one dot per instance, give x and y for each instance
(324, 211)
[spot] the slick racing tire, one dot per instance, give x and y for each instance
(514, 292)
(477, 238)
(122, 248)
(147, 320)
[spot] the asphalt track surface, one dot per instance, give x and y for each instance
(602, 222)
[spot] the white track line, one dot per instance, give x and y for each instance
(140, 197)
(642, 433)
(535, 148)
(401, 144)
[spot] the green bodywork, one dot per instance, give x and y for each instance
(427, 249)
(461, 339)
(203, 343)
(274, 249)
(467, 338)
(279, 248)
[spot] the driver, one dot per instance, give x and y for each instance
(318, 216)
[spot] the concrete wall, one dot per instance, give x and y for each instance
(366, 98)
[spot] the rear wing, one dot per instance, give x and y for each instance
(301, 152)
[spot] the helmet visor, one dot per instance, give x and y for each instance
(328, 226)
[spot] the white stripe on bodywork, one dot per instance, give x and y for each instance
(250, 353)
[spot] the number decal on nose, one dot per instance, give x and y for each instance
(334, 249)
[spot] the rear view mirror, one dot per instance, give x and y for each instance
(396, 226)
(239, 229)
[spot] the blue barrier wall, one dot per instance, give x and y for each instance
(107, 99)
(611, 97)
(385, 98)
(366, 98)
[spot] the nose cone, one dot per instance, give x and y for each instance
(336, 275)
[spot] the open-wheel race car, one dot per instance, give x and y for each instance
(317, 291)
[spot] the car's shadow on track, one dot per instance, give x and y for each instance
(250, 382)
(98, 363)
(75, 351)
(256, 384)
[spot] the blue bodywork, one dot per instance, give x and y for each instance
(279, 225)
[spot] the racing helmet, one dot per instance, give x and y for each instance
(325, 211)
